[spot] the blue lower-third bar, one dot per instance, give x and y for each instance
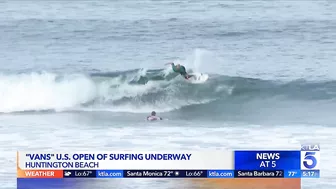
(109, 174)
(220, 174)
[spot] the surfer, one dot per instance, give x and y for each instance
(153, 117)
(180, 69)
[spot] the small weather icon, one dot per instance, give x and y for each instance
(67, 173)
(177, 173)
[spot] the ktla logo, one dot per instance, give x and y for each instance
(310, 157)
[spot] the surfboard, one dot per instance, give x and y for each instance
(198, 78)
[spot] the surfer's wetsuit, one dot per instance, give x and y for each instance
(181, 71)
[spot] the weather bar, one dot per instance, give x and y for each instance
(165, 173)
(180, 174)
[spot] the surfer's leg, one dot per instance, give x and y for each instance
(184, 73)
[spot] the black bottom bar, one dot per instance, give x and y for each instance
(165, 173)
(258, 174)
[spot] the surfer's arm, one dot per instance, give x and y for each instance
(172, 63)
(173, 67)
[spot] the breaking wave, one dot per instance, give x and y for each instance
(144, 90)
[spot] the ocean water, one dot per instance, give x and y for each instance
(83, 75)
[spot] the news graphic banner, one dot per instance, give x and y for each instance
(302, 163)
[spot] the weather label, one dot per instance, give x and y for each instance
(260, 174)
(79, 173)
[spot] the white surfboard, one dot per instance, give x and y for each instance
(198, 78)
